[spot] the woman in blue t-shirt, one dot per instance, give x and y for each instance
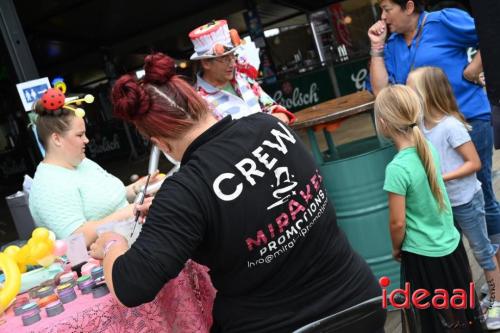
(440, 39)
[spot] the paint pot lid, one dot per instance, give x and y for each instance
(83, 278)
(30, 306)
(63, 286)
(45, 291)
(66, 279)
(97, 269)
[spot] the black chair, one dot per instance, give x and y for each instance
(366, 317)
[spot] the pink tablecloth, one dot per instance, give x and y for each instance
(183, 305)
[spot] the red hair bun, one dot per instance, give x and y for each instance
(129, 98)
(159, 68)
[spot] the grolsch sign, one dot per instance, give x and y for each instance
(302, 92)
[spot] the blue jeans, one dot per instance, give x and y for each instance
(471, 220)
(482, 137)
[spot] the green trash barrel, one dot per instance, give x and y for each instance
(353, 175)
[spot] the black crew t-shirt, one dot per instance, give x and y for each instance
(249, 203)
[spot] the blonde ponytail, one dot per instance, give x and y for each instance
(424, 152)
(398, 110)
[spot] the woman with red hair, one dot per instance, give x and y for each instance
(248, 202)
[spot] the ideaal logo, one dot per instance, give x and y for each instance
(423, 299)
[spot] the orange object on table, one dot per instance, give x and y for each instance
(47, 300)
(330, 126)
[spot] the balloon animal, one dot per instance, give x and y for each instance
(41, 249)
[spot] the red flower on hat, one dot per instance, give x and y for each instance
(53, 99)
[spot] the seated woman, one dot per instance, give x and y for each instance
(70, 193)
(248, 202)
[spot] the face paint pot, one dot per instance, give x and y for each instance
(31, 317)
(42, 302)
(45, 291)
(67, 295)
(32, 306)
(54, 308)
(100, 290)
(86, 287)
(82, 279)
(97, 272)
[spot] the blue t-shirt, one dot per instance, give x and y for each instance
(446, 36)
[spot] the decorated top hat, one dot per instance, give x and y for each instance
(213, 40)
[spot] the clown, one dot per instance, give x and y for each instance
(228, 85)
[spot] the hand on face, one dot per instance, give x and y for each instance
(377, 33)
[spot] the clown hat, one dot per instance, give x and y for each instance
(213, 40)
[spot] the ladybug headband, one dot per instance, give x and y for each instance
(53, 99)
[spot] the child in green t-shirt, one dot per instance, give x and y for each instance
(423, 235)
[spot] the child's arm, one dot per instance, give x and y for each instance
(472, 163)
(397, 222)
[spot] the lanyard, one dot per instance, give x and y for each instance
(419, 36)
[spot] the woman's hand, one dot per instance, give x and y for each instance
(377, 34)
(105, 239)
(141, 182)
(281, 116)
(143, 209)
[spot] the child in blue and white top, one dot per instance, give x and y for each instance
(445, 127)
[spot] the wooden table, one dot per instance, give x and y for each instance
(334, 109)
(328, 112)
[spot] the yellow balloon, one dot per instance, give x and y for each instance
(12, 251)
(40, 233)
(31, 242)
(22, 257)
(47, 260)
(12, 283)
(40, 250)
(22, 268)
(52, 236)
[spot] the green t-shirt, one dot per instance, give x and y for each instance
(429, 231)
(62, 199)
